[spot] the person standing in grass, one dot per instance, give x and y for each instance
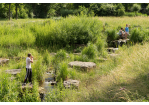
(126, 31)
(29, 60)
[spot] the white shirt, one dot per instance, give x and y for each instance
(28, 63)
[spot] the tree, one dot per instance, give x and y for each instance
(127, 6)
(136, 8)
(9, 10)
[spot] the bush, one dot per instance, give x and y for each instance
(111, 35)
(121, 12)
(90, 51)
(46, 58)
(51, 13)
(137, 35)
(136, 8)
(66, 12)
(63, 72)
(84, 11)
(120, 9)
(107, 9)
(69, 31)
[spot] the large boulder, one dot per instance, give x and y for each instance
(83, 65)
(13, 71)
(71, 83)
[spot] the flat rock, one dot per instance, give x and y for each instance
(82, 65)
(13, 71)
(111, 49)
(3, 60)
(17, 58)
(53, 54)
(113, 55)
(71, 83)
(102, 59)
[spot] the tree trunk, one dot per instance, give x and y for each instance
(16, 12)
(9, 10)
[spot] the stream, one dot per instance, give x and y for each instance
(48, 84)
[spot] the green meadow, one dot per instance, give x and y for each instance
(120, 79)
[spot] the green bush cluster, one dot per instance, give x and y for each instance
(133, 14)
(69, 31)
(90, 51)
(137, 35)
(111, 35)
(62, 72)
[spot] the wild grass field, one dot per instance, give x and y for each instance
(121, 79)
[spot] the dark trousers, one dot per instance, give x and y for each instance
(28, 75)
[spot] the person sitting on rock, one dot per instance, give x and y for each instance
(121, 33)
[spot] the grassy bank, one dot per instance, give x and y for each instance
(124, 78)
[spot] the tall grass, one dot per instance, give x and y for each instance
(69, 31)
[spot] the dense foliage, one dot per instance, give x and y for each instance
(46, 10)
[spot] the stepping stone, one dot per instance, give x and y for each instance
(53, 54)
(102, 59)
(71, 83)
(13, 71)
(17, 58)
(3, 61)
(82, 65)
(112, 49)
(113, 55)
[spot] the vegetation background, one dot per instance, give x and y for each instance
(65, 28)
(46, 10)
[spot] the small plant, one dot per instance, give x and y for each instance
(63, 72)
(136, 7)
(111, 35)
(90, 51)
(137, 36)
(46, 58)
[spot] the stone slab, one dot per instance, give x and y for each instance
(102, 59)
(17, 58)
(71, 83)
(3, 61)
(13, 71)
(82, 65)
(111, 49)
(113, 55)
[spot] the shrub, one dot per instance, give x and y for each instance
(107, 9)
(136, 8)
(90, 51)
(121, 12)
(46, 58)
(68, 31)
(111, 35)
(137, 35)
(120, 9)
(63, 72)
(51, 13)
(66, 12)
